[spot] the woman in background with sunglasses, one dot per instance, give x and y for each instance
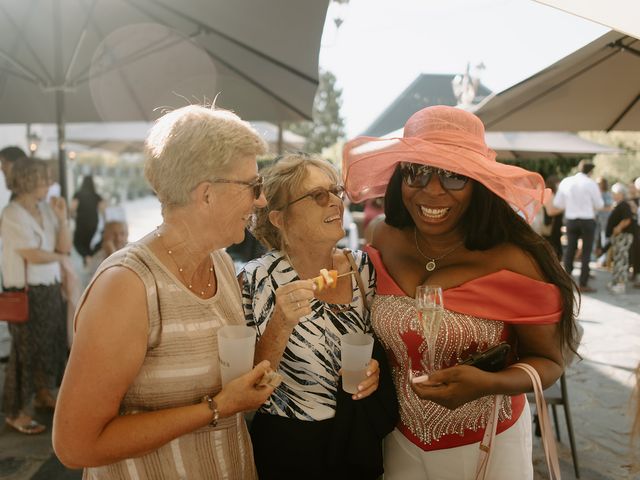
(142, 397)
(454, 218)
(298, 327)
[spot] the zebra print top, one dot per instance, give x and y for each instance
(311, 359)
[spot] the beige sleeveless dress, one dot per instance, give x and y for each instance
(181, 366)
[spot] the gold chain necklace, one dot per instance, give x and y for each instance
(430, 266)
(189, 284)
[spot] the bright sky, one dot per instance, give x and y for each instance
(383, 45)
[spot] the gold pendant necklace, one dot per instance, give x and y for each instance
(189, 284)
(430, 266)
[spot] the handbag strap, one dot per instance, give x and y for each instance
(354, 268)
(26, 283)
(546, 433)
(487, 439)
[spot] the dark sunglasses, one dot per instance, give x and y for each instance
(256, 184)
(320, 195)
(416, 175)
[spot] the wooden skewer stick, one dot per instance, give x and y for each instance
(350, 272)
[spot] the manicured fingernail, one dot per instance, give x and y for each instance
(360, 388)
(369, 374)
(358, 396)
(420, 379)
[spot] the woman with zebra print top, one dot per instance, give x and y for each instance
(298, 327)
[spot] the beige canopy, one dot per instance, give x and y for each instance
(128, 137)
(594, 88)
(130, 60)
(620, 15)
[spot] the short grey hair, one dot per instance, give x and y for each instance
(193, 144)
(620, 188)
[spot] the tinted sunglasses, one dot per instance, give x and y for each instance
(256, 184)
(416, 175)
(320, 195)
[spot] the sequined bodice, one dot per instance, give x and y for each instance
(425, 422)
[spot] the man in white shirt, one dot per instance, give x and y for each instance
(580, 198)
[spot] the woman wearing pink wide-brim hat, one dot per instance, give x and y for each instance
(455, 217)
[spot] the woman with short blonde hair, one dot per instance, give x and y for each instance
(194, 144)
(156, 305)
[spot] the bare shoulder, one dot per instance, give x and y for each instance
(116, 297)
(383, 235)
(370, 232)
(511, 257)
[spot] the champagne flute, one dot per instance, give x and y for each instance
(430, 310)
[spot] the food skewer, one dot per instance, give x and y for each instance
(329, 278)
(350, 272)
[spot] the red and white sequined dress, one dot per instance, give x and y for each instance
(478, 315)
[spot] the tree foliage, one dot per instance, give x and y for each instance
(327, 126)
(546, 167)
(617, 167)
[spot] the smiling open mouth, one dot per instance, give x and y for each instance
(433, 213)
(332, 219)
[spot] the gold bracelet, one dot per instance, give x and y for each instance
(213, 406)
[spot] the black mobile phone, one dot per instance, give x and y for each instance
(493, 359)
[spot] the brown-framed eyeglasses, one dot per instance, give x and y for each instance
(255, 184)
(320, 195)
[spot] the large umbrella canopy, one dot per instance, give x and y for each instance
(534, 145)
(128, 137)
(620, 15)
(594, 88)
(129, 60)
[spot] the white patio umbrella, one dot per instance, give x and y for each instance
(121, 60)
(595, 88)
(534, 145)
(620, 15)
(128, 137)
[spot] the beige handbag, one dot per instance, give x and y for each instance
(548, 440)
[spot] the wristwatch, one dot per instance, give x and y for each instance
(213, 406)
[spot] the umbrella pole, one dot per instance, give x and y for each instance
(62, 157)
(280, 138)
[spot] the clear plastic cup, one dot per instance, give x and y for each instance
(356, 349)
(236, 347)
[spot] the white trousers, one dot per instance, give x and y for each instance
(510, 459)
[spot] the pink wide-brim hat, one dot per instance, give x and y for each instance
(442, 137)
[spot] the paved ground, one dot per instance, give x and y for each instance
(600, 388)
